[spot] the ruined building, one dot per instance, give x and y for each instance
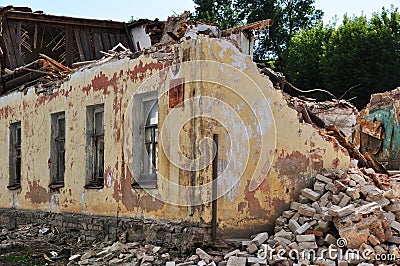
(107, 127)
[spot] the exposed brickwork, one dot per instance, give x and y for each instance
(180, 236)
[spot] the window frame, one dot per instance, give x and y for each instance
(57, 140)
(141, 179)
(15, 156)
(94, 148)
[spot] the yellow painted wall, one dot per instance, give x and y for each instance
(262, 145)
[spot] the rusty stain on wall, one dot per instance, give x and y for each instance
(292, 164)
(37, 194)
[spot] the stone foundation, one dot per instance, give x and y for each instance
(182, 237)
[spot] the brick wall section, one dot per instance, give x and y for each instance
(181, 237)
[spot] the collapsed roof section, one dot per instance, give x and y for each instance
(26, 34)
(33, 43)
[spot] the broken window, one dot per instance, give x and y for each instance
(15, 156)
(57, 156)
(146, 135)
(95, 147)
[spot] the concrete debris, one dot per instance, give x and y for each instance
(260, 238)
(343, 211)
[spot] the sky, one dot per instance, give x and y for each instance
(123, 10)
(352, 7)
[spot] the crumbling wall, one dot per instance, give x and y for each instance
(337, 113)
(379, 127)
(281, 154)
(299, 153)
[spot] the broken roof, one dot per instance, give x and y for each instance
(35, 45)
(26, 34)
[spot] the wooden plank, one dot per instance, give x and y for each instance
(98, 45)
(113, 42)
(35, 35)
(20, 72)
(54, 62)
(125, 41)
(9, 46)
(69, 45)
(130, 38)
(90, 47)
(106, 41)
(15, 28)
(85, 44)
(18, 40)
(118, 38)
(16, 82)
(79, 44)
(109, 24)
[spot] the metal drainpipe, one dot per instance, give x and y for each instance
(214, 190)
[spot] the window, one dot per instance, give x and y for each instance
(15, 156)
(150, 138)
(146, 139)
(95, 147)
(57, 150)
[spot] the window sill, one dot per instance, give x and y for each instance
(14, 186)
(94, 186)
(145, 185)
(57, 185)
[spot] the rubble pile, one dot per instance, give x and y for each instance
(123, 254)
(355, 212)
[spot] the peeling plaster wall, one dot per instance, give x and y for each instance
(300, 150)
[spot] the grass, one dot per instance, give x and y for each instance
(20, 259)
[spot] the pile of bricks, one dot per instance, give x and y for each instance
(346, 218)
(355, 212)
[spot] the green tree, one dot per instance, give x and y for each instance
(359, 54)
(363, 53)
(289, 17)
(217, 11)
(304, 57)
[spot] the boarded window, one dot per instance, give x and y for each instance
(95, 147)
(57, 156)
(15, 156)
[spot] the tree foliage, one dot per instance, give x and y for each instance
(289, 17)
(222, 12)
(360, 53)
